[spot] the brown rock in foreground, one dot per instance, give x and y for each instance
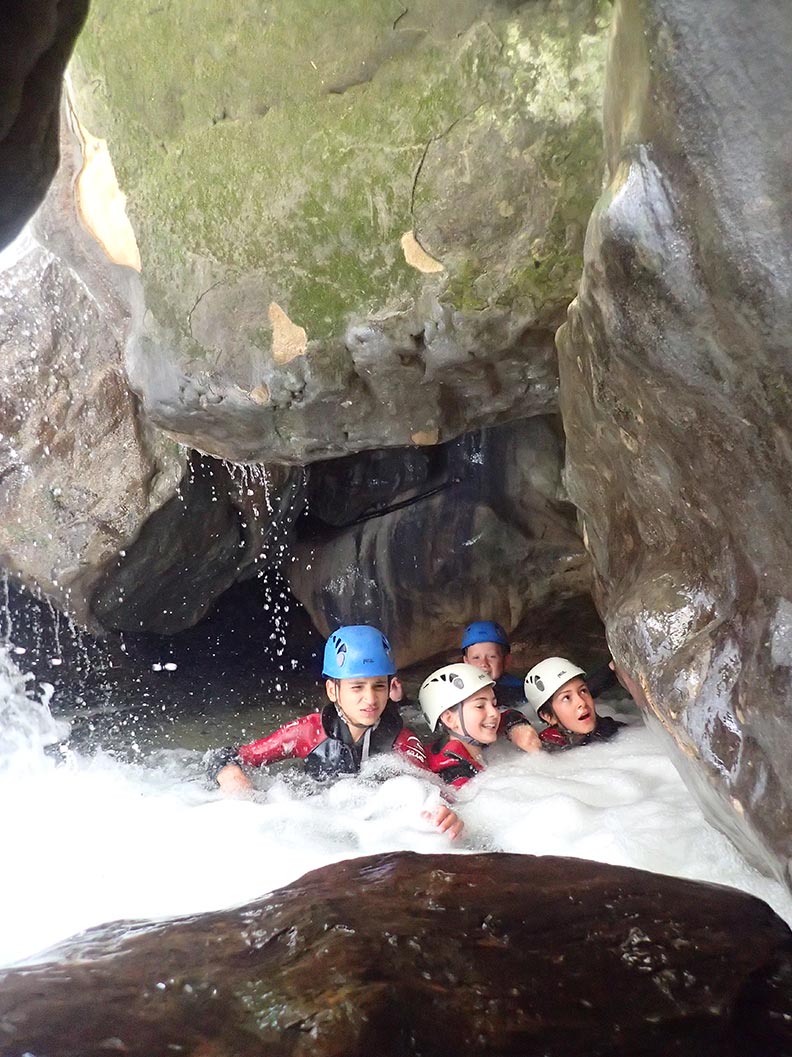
(426, 955)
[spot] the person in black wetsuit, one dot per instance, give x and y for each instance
(358, 722)
(564, 701)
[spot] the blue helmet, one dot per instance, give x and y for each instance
(357, 650)
(484, 631)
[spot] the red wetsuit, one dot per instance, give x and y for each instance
(554, 739)
(452, 760)
(323, 741)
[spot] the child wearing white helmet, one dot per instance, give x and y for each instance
(558, 690)
(459, 700)
(359, 721)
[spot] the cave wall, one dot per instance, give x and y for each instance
(676, 393)
(478, 528)
(316, 238)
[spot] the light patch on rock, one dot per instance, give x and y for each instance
(101, 204)
(260, 395)
(417, 257)
(425, 437)
(781, 640)
(288, 340)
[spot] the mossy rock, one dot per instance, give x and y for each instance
(271, 154)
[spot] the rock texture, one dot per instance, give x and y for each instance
(79, 473)
(94, 513)
(423, 541)
(356, 232)
(37, 39)
(426, 954)
(676, 383)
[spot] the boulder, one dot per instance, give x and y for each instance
(99, 511)
(356, 232)
(676, 395)
(79, 471)
(405, 954)
(423, 542)
(37, 40)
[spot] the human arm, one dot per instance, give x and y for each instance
(233, 781)
(294, 739)
(446, 820)
(524, 737)
(518, 730)
(297, 738)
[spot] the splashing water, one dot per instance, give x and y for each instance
(90, 840)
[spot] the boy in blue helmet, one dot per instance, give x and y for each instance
(485, 645)
(359, 721)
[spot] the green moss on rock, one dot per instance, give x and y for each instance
(279, 140)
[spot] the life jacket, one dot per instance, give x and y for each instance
(324, 742)
(452, 760)
(556, 739)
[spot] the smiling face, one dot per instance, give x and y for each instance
(481, 716)
(571, 707)
(361, 700)
(490, 657)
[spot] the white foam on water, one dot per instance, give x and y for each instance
(87, 841)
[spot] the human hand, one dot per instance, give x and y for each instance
(233, 781)
(525, 737)
(446, 820)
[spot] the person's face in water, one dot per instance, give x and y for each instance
(361, 700)
(490, 657)
(572, 707)
(481, 715)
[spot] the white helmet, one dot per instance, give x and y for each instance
(546, 677)
(447, 687)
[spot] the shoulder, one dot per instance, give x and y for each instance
(509, 680)
(552, 738)
(452, 762)
(510, 717)
(607, 727)
(451, 753)
(408, 743)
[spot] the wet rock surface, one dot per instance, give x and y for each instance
(407, 954)
(100, 512)
(676, 385)
(423, 542)
(79, 471)
(356, 232)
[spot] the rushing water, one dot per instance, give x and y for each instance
(92, 837)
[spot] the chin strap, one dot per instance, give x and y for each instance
(463, 734)
(365, 747)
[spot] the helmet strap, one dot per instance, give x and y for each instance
(463, 734)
